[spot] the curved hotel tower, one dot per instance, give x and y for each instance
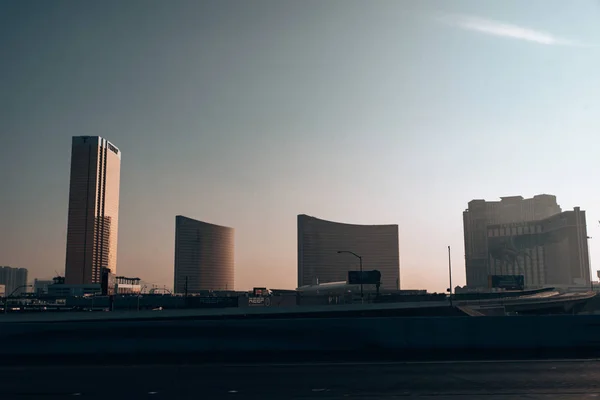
(319, 242)
(203, 256)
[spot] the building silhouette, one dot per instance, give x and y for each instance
(40, 286)
(14, 280)
(204, 256)
(93, 217)
(530, 237)
(319, 242)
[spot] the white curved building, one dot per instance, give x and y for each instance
(319, 242)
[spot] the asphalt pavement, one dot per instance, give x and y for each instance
(552, 379)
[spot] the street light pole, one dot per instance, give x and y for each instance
(450, 274)
(361, 270)
(361, 278)
(590, 263)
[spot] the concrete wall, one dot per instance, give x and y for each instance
(341, 335)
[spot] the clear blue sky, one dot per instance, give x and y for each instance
(247, 113)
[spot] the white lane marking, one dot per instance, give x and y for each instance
(319, 390)
(152, 393)
(232, 391)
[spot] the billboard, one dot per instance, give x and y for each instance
(260, 291)
(507, 282)
(364, 277)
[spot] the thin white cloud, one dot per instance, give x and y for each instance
(502, 29)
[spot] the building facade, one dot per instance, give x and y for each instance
(204, 256)
(93, 216)
(124, 285)
(14, 280)
(40, 286)
(319, 242)
(65, 290)
(529, 237)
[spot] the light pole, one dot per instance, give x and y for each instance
(450, 273)
(361, 274)
(13, 292)
(590, 263)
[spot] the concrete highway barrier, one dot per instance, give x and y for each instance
(349, 336)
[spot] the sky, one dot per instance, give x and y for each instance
(248, 113)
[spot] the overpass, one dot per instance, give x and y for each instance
(530, 303)
(426, 330)
(538, 303)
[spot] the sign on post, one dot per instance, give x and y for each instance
(364, 277)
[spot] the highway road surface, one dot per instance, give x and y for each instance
(561, 379)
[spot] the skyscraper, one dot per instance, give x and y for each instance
(92, 230)
(319, 242)
(529, 237)
(14, 280)
(203, 256)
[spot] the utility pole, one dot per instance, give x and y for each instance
(361, 279)
(450, 274)
(590, 263)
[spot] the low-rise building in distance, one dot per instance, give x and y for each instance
(124, 285)
(40, 286)
(64, 290)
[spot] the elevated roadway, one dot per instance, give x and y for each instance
(538, 302)
(530, 303)
(413, 308)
